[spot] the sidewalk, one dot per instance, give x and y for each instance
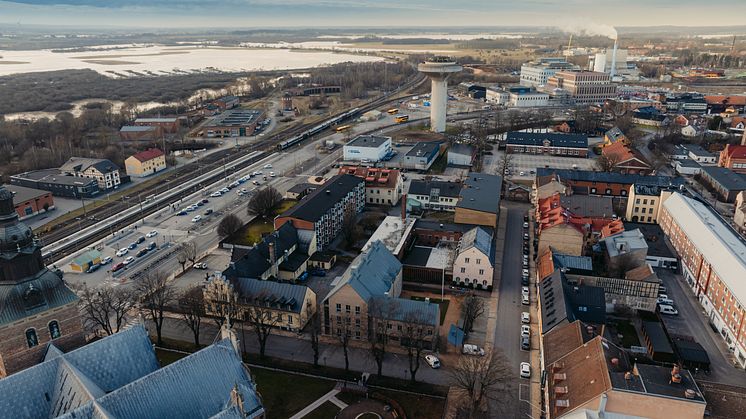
(536, 396)
(311, 407)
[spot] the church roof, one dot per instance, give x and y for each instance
(43, 291)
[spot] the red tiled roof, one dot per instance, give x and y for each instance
(149, 154)
(735, 151)
(619, 149)
(374, 177)
(729, 100)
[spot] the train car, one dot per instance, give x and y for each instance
(393, 111)
(401, 119)
(343, 128)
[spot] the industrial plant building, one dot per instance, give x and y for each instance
(233, 123)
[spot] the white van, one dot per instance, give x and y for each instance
(667, 309)
(470, 349)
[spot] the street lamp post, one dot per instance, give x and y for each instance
(139, 199)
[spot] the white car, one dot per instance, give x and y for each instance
(667, 309)
(272, 174)
(129, 260)
(267, 166)
(525, 370)
(433, 361)
(197, 218)
(525, 331)
(216, 194)
(665, 301)
(525, 317)
(525, 225)
(151, 234)
(122, 252)
(225, 190)
(524, 290)
(524, 272)
(524, 300)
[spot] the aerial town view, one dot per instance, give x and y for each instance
(313, 209)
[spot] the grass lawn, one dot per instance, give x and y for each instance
(327, 410)
(442, 303)
(628, 332)
(417, 407)
(258, 228)
(285, 394)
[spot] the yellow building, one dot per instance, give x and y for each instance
(145, 163)
(85, 261)
(645, 201)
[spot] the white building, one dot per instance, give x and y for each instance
(367, 148)
(474, 263)
(700, 155)
(461, 155)
(528, 100)
(536, 73)
(497, 96)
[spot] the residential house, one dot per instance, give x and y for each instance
(365, 301)
(119, 376)
(145, 163)
(434, 194)
(624, 251)
(725, 183)
(613, 136)
(382, 186)
(699, 154)
(734, 158)
(713, 262)
(689, 131)
(431, 232)
(29, 201)
(551, 260)
(479, 200)
(461, 155)
(645, 201)
(636, 290)
(104, 171)
(396, 233)
(300, 190)
(282, 306)
(687, 167)
(58, 183)
(565, 145)
(322, 213)
(475, 259)
(561, 303)
(601, 183)
(625, 159)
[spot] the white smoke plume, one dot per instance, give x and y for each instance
(586, 27)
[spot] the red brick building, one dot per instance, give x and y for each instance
(29, 201)
(168, 125)
(626, 160)
(734, 158)
(144, 133)
(36, 307)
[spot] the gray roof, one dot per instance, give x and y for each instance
(459, 148)
(688, 163)
(480, 238)
(614, 134)
(555, 140)
(278, 295)
(727, 178)
(55, 176)
(428, 224)
(697, 150)
(155, 120)
(118, 377)
(80, 164)
(23, 194)
(323, 199)
(609, 177)
(302, 187)
(560, 302)
(405, 310)
(138, 128)
(572, 263)
(654, 189)
(657, 337)
(423, 187)
(41, 292)
(625, 242)
(252, 263)
(373, 141)
(235, 118)
(588, 205)
(424, 149)
(481, 192)
(372, 273)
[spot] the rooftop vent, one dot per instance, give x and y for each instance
(562, 403)
(690, 394)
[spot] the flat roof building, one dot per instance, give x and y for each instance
(367, 148)
(233, 123)
(421, 156)
(29, 201)
(537, 73)
(58, 183)
(725, 182)
(568, 145)
(585, 87)
(479, 200)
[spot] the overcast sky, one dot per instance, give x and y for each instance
(326, 13)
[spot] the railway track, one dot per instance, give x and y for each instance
(62, 235)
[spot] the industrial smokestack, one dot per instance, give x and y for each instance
(612, 73)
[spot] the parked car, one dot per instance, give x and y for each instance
(209, 211)
(272, 174)
(129, 260)
(190, 209)
(524, 300)
(151, 246)
(662, 289)
(524, 290)
(525, 370)
(200, 265)
(225, 190)
(142, 252)
(525, 317)
(122, 252)
(132, 246)
(665, 301)
(317, 272)
(140, 239)
(525, 263)
(267, 166)
(117, 266)
(526, 343)
(433, 361)
(525, 330)
(525, 225)
(216, 194)
(524, 280)
(196, 218)
(199, 203)
(93, 268)
(524, 272)
(205, 200)
(525, 217)
(525, 236)
(667, 309)
(151, 234)
(470, 349)
(107, 260)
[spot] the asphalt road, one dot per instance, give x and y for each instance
(508, 327)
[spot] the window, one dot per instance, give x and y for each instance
(290, 319)
(339, 308)
(357, 309)
(279, 317)
(463, 270)
(479, 261)
(644, 202)
(637, 201)
(481, 272)
(398, 327)
(347, 308)
(466, 260)
(31, 338)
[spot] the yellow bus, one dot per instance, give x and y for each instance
(401, 118)
(343, 128)
(393, 111)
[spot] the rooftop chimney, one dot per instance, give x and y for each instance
(272, 255)
(404, 207)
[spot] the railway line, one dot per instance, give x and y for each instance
(71, 235)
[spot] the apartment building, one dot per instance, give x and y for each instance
(644, 203)
(104, 171)
(434, 194)
(739, 214)
(474, 263)
(145, 163)
(713, 260)
(323, 211)
(382, 186)
(565, 145)
(585, 87)
(601, 183)
(734, 158)
(699, 154)
(725, 183)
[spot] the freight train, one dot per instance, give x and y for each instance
(318, 128)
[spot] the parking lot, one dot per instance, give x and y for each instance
(528, 163)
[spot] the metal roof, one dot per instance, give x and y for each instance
(47, 285)
(481, 239)
(254, 262)
(22, 194)
(138, 128)
(723, 249)
(424, 187)
(372, 273)
(320, 201)
(555, 140)
(406, 310)
(373, 141)
(726, 178)
(278, 295)
(464, 149)
(608, 177)
(481, 192)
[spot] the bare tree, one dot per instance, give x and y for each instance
(155, 295)
(607, 162)
(189, 250)
(414, 337)
(229, 225)
(379, 313)
(192, 307)
(100, 306)
(181, 256)
(314, 331)
(472, 308)
(481, 378)
(344, 334)
(350, 230)
(264, 202)
(261, 319)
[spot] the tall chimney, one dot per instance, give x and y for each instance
(404, 206)
(612, 73)
(272, 256)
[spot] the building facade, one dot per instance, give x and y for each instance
(565, 145)
(233, 123)
(528, 100)
(58, 183)
(473, 265)
(167, 125)
(739, 214)
(30, 201)
(585, 87)
(725, 183)
(104, 171)
(145, 163)
(435, 195)
(537, 73)
(734, 158)
(382, 186)
(479, 200)
(367, 148)
(644, 203)
(135, 133)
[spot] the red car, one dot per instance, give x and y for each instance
(117, 267)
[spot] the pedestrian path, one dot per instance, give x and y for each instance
(311, 407)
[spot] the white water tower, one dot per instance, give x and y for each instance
(439, 69)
